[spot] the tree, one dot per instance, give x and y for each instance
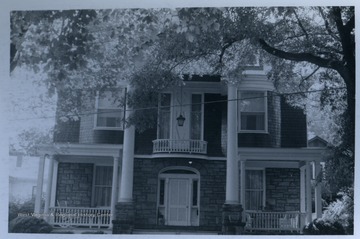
(326, 39)
(87, 51)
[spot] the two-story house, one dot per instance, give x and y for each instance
(222, 155)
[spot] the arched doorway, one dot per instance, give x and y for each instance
(178, 196)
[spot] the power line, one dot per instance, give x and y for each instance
(178, 105)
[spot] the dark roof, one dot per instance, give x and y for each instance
(317, 142)
(203, 78)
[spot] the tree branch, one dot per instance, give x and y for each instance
(299, 56)
(327, 26)
(301, 25)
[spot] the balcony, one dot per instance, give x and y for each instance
(179, 146)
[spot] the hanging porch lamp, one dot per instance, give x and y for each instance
(180, 119)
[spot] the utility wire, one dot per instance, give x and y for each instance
(175, 106)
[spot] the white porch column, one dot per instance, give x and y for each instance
(39, 185)
(308, 193)
(232, 167)
(49, 185)
(54, 183)
(318, 201)
(114, 186)
(302, 190)
(242, 184)
(127, 170)
(302, 195)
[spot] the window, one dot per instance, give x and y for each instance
(254, 189)
(164, 116)
(102, 186)
(33, 192)
(162, 192)
(110, 110)
(195, 193)
(196, 117)
(19, 160)
(252, 110)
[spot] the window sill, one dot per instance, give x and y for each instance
(253, 132)
(109, 128)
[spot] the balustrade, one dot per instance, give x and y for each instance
(280, 221)
(76, 216)
(179, 146)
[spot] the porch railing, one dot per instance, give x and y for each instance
(276, 221)
(76, 216)
(179, 146)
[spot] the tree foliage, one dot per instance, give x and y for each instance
(87, 50)
(323, 37)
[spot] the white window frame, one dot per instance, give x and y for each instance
(202, 115)
(265, 130)
(97, 108)
(264, 185)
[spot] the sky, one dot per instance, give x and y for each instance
(28, 103)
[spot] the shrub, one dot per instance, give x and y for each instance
(13, 210)
(17, 207)
(28, 224)
(342, 210)
(322, 227)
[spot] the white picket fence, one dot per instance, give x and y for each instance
(76, 216)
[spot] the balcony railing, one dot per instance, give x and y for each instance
(76, 216)
(274, 221)
(179, 146)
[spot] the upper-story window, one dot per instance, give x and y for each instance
(164, 116)
(252, 111)
(110, 110)
(196, 116)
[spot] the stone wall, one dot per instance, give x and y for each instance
(212, 189)
(283, 189)
(74, 184)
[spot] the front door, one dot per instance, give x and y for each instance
(178, 202)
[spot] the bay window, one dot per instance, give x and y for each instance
(252, 111)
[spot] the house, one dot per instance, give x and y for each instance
(317, 141)
(223, 157)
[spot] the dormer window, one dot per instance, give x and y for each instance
(110, 110)
(252, 111)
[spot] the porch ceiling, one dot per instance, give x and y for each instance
(281, 154)
(110, 150)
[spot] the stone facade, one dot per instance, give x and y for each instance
(283, 189)
(74, 184)
(212, 189)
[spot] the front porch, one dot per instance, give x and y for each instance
(277, 199)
